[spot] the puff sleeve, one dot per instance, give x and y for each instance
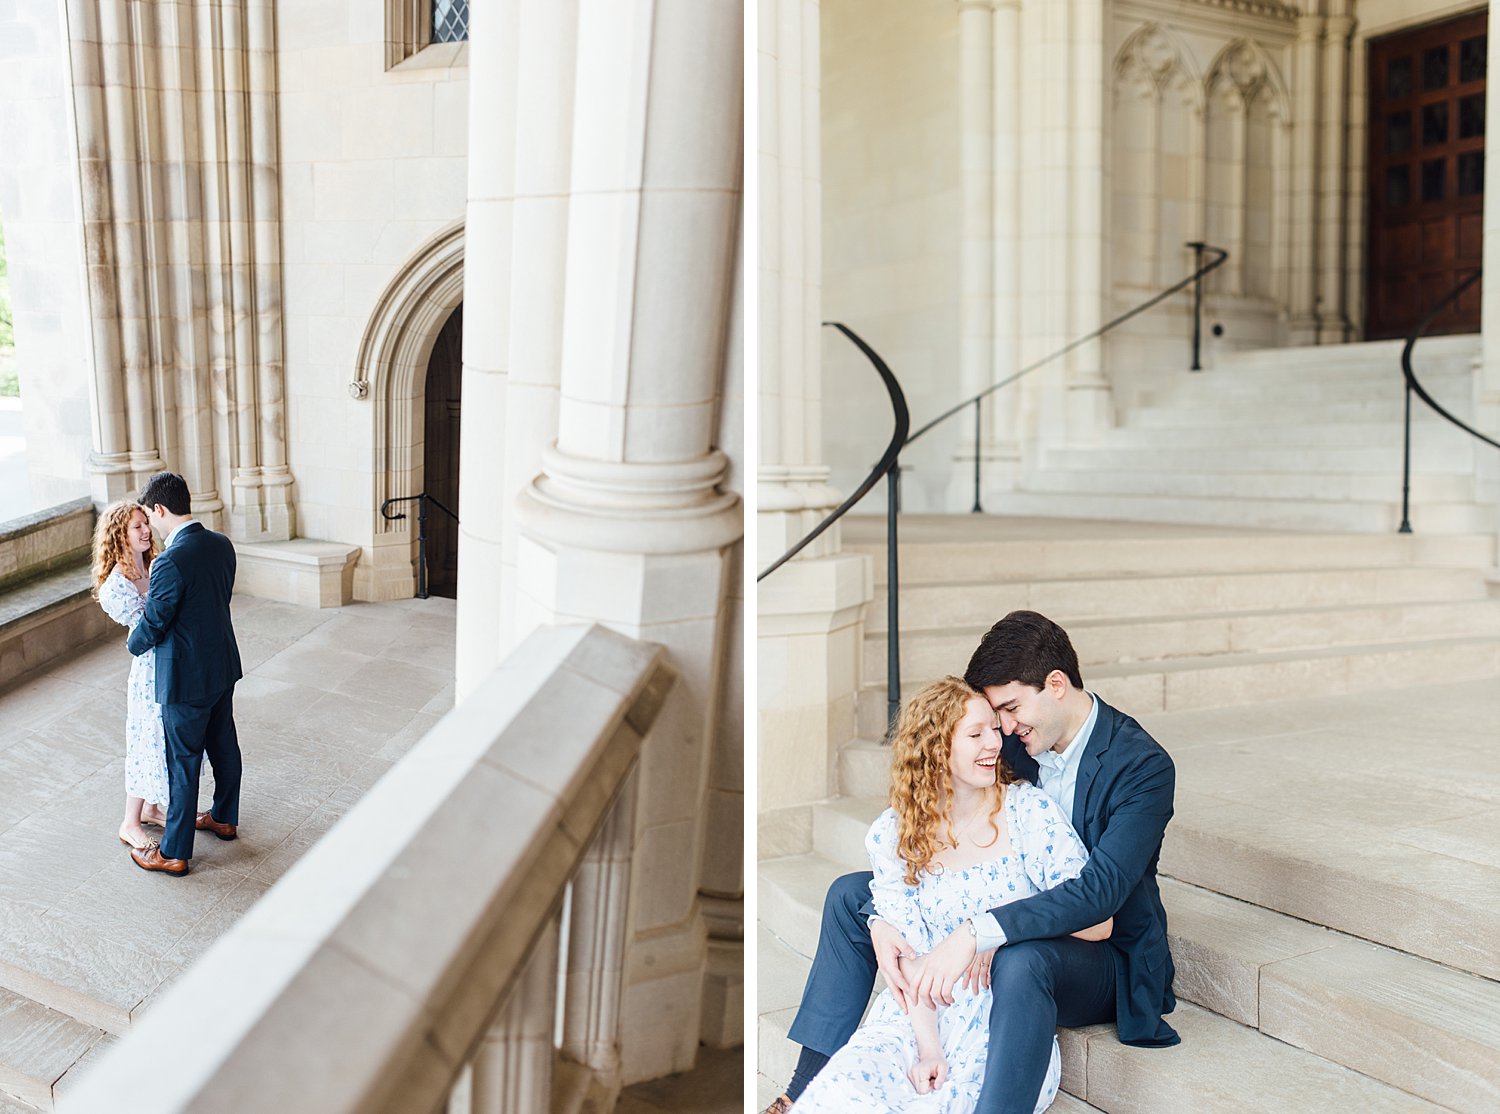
(894, 901)
(120, 601)
(1051, 852)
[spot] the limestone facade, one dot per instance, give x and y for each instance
(236, 230)
(1002, 176)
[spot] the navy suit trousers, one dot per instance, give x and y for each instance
(193, 730)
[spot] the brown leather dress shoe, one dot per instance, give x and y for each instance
(780, 1106)
(150, 857)
(207, 823)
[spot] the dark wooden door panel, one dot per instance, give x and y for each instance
(1426, 175)
(440, 454)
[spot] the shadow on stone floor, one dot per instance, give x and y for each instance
(715, 1086)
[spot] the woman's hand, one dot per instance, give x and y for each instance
(928, 1073)
(891, 949)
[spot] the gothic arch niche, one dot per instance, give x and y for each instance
(1245, 143)
(1156, 125)
(391, 372)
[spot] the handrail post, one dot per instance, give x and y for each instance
(1406, 470)
(892, 600)
(976, 509)
(1197, 246)
(422, 546)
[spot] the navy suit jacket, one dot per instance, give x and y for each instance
(1121, 806)
(187, 618)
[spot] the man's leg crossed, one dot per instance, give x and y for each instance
(1039, 985)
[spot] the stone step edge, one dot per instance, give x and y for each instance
(1236, 661)
(1095, 622)
(20, 1083)
(1077, 1075)
(66, 1000)
(1225, 972)
(1452, 571)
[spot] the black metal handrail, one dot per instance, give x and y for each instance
(1195, 280)
(422, 499)
(890, 464)
(1414, 386)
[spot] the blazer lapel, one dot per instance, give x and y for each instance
(1088, 766)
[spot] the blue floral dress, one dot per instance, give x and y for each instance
(868, 1075)
(145, 743)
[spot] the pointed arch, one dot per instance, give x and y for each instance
(389, 372)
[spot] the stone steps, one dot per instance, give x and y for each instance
(1295, 388)
(1396, 1018)
(38, 1046)
(1428, 433)
(1199, 412)
(1222, 680)
(1074, 476)
(995, 547)
(1382, 460)
(1099, 642)
(926, 607)
(47, 617)
(1268, 513)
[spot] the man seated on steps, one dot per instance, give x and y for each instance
(1116, 783)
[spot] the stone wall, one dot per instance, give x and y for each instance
(373, 166)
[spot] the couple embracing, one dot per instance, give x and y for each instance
(1013, 890)
(180, 704)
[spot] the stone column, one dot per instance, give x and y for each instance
(627, 523)
(1334, 326)
(809, 610)
(175, 109)
(1003, 457)
(977, 174)
(1304, 326)
(545, 88)
(1090, 409)
(512, 1071)
(489, 239)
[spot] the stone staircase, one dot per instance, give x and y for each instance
(1331, 875)
(1305, 439)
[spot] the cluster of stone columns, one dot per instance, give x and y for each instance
(809, 610)
(605, 261)
(175, 108)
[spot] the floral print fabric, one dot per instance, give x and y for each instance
(868, 1075)
(145, 743)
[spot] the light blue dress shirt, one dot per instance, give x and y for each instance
(1057, 776)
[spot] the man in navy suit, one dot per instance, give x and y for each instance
(197, 663)
(1116, 783)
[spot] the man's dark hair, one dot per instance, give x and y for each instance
(170, 490)
(1024, 647)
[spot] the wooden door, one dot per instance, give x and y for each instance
(1426, 184)
(440, 455)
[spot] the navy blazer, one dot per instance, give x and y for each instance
(187, 618)
(1121, 806)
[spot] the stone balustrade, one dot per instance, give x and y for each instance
(415, 958)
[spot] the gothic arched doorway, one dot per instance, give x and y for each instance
(440, 454)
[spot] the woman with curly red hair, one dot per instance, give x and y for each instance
(123, 549)
(963, 835)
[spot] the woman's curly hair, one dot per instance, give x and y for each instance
(112, 543)
(920, 794)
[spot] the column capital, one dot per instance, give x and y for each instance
(631, 506)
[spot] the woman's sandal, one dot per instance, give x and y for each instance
(155, 822)
(134, 846)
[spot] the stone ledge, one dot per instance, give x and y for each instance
(46, 617)
(302, 571)
(45, 540)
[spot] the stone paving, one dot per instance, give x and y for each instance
(330, 700)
